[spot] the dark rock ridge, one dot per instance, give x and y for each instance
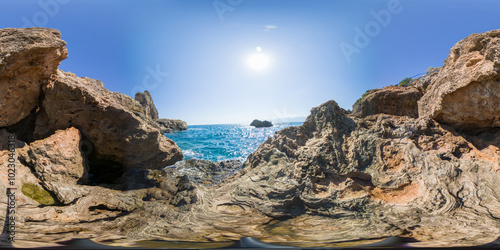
(338, 177)
(261, 124)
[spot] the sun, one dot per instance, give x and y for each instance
(258, 61)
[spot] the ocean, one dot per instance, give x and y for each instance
(223, 141)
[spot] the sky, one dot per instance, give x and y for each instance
(232, 61)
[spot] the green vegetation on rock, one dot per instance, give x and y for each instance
(405, 81)
(38, 194)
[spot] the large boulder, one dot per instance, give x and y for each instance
(58, 162)
(392, 100)
(113, 123)
(466, 94)
(27, 59)
(145, 99)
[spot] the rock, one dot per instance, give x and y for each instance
(58, 162)
(22, 174)
(171, 125)
(393, 174)
(27, 59)
(149, 109)
(203, 171)
(261, 124)
(392, 100)
(466, 93)
(113, 123)
(145, 99)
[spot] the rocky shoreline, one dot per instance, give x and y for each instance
(420, 162)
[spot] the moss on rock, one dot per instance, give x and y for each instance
(38, 194)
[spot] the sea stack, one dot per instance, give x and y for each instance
(261, 124)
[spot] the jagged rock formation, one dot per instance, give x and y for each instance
(145, 99)
(337, 177)
(466, 93)
(149, 109)
(392, 100)
(261, 124)
(203, 171)
(69, 132)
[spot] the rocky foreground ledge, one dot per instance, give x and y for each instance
(425, 167)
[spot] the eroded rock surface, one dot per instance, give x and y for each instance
(117, 132)
(466, 93)
(58, 163)
(392, 100)
(145, 99)
(27, 59)
(261, 124)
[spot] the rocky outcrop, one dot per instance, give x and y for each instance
(148, 106)
(261, 124)
(112, 123)
(392, 100)
(149, 109)
(58, 163)
(393, 174)
(466, 94)
(28, 57)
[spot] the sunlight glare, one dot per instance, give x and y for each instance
(258, 61)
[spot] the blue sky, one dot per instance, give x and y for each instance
(192, 55)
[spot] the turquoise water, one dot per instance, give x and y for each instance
(223, 142)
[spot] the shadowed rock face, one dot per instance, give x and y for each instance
(466, 93)
(112, 122)
(392, 100)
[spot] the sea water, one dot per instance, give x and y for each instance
(223, 142)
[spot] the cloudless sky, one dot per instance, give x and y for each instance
(192, 55)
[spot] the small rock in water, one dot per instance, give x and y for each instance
(261, 124)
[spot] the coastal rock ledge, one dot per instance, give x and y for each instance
(431, 178)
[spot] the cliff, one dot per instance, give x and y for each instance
(424, 168)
